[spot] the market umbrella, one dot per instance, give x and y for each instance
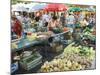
(56, 7)
(37, 7)
(74, 9)
(84, 9)
(30, 5)
(19, 7)
(91, 9)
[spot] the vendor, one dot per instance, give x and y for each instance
(84, 23)
(62, 19)
(54, 23)
(70, 21)
(46, 18)
(37, 16)
(92, 20)
(16, 26)
(26, 20)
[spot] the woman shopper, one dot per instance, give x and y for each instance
(16, 27)
(54, 24)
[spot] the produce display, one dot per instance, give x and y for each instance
(32, 58)
(68, 62)
(87, 52)
(52, 37)
(58, 65)
(88, 30)
(57, 30)
(73, 58)
(65, 29)
(31, 61)
(32, 37)
(39, 36)
(14, 46)
(89, 33)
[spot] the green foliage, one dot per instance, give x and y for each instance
(81, 50)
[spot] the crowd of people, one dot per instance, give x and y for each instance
(47, 21)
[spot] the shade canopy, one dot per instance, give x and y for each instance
(19, 7)
(56, 7)
(75, 9)
(37, 7)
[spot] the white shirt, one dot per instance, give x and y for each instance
(46, 18)
(20, 18)
(92, 20)
(40, 23)
(70, 19)
(81, 17)
(26, 22)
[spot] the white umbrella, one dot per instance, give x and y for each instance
(37, 7)
(19, 7)
(91, 8)
(30, 5)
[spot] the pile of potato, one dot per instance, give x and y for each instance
(68, 62)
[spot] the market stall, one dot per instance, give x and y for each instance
(47, 45)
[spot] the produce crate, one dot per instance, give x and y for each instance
(14, 67)
(57, 47)
(67, 36)
(31, 61)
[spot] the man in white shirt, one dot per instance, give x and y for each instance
(45, 19)
(19, 16)
(70, 21)
(26, 21)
